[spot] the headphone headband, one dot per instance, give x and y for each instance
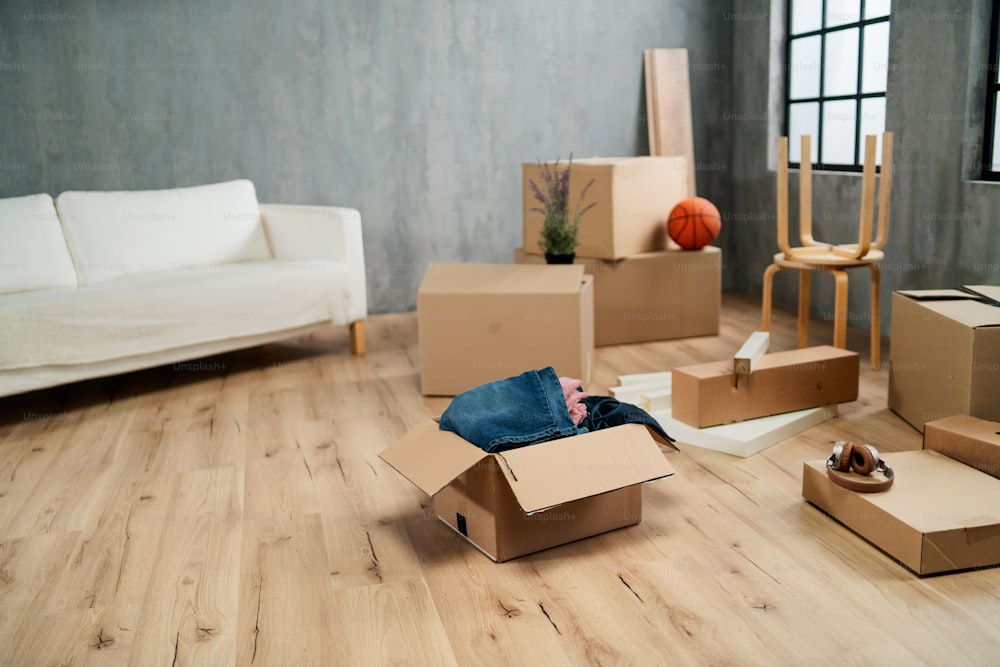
(851, 463)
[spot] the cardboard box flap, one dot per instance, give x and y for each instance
(502, 278)
(989, 291)
(973, 305)
(431, 458)
(551, 473)
(935, 294)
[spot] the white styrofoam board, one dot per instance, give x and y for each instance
(658, 378)
(744, 438)
(633, 393)
(659, 399)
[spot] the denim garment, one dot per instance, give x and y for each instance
(605, 412)
(506, 414)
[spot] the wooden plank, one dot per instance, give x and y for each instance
(706, 394)
(668, 106)
(752, 351)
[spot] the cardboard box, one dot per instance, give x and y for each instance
(524, 500)
(482, 322)
(945, 354)
(975, 442)
(940, 515)
(712, 394)
(652, 296)
(634, 197)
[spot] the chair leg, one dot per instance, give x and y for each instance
(358, 337)
(840, 309)
(876, 324)
(765, 309)
(804, 283)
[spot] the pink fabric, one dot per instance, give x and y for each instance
(573, 393)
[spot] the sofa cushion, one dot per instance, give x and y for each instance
(113, 234)
(33, 253)
(169, 310)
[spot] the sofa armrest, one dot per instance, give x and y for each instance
(298, 233)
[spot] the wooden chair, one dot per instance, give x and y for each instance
(833, 258)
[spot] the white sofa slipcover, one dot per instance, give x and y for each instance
(108, 282)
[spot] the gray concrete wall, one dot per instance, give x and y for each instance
(945, 228)
(417, 112)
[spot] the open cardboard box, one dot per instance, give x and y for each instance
(945, 354)
(940, 515)
(516, 502)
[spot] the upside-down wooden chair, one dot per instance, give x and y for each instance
(835, 259)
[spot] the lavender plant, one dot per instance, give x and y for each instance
(561, 225)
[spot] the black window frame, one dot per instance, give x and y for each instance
(992, 90)
(822, 32)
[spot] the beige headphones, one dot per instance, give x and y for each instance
(862, 460)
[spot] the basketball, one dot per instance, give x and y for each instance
(694, 223)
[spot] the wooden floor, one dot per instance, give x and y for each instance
(234, 511)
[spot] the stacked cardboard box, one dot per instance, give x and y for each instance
(645, 288)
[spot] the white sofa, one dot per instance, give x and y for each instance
(100, 283)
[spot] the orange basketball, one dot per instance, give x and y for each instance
(694, 223)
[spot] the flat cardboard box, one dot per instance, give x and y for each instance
(973, 441)
(634, 197)
(940, 515)
(483, 322)
(653, 296)
(712, 394)
(525, 500)
(945, 354)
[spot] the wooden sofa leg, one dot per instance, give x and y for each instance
(358, 337)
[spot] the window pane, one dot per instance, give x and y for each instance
(995, 158)
(876, 65)
(841, 63)
(877, 8)
(802, 119)
(838, 132)
(804, 79)
(873, 122)
(839, 12)
(806, 15)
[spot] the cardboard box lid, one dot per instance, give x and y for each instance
(549, 474)
(502, 279)
(966, 306)
(541, 476)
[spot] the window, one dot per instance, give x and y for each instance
(991, 142)
(837, 68)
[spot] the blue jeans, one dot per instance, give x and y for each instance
(506, 414)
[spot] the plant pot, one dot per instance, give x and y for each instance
(559, 259)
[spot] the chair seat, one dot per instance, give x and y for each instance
(811, 257)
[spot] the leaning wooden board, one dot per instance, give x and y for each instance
(668, 106)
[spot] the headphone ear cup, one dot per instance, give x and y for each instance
(843, 462)
(863, 459)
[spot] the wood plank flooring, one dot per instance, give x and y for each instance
(234, 511)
